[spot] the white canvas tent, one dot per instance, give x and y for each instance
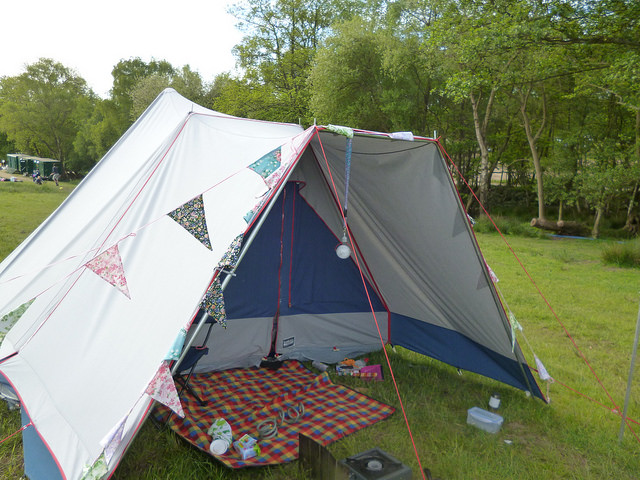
(86, 347)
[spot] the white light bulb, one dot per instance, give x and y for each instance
(343, 251)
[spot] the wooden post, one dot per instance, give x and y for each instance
(628, 394)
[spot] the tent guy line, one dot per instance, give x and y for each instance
(375, 318)
(616, 408)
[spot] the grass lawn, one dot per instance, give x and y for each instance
(571, 438)
(23, 206)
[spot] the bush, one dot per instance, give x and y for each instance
(622, 254)
(507, 225)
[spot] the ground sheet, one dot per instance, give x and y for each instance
(246, 397)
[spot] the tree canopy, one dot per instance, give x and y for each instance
(41, 109)
(546, 91)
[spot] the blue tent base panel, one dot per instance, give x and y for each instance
(457, 350)
(38, 462)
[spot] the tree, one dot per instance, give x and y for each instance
(6, 146)
(185, 81)
(475, 45)
(96, 136)
(277, 52)
(136, 84)
(348, 79)
(42, 109)
(368, 75)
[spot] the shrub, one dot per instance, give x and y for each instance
(622, 254)
(507, 225)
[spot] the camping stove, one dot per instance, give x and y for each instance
(375, 464)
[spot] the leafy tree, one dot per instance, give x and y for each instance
(242, 98)
(278, 49)
(475, 47)
(189, 83)
(126, 74)
(6, 146)
(145, 91)
(368, 75)
(136, 85)
(42, 109)
(96, 136)
(348, 79)
(185, 81)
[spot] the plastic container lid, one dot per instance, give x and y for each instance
(219, 446)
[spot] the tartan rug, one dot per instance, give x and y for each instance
(245, 397)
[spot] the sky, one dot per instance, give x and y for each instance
(91, 37)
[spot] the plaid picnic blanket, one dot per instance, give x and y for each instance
(246, 397)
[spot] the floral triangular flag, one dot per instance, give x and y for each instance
(108, 266)
(230, 258)
(339, 129)
(11, 318)
(97, 471)
(515, 325)
(249, 216)
(494, 277)
(163, 389)
(275, 178)
(191, 217)
(542, 371)
(178, 343)
(113, 439)
(213, 303)
(267, 164)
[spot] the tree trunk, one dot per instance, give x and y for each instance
(560, 208)
(533, 140)
(481, 137)
(561, 227)
(632, 201)
(595, 232)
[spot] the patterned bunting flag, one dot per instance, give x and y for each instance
(97, 471)
(11, 318)
(191, 217)
(267, 164)
(339, 129)
(108, 266)
(163, 389)
(542, 371)
(178, 343)
(275, 178)
(230, 258)
(493, 276)
(515, 325)
(113, 439)
(213, 303)
(248, 217)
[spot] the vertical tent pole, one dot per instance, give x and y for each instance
(628, 394)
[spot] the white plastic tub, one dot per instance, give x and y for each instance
(484, 420)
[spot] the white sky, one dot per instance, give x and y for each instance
(92, 37)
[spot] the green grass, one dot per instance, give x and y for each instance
(570, 438)
(23, 207)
